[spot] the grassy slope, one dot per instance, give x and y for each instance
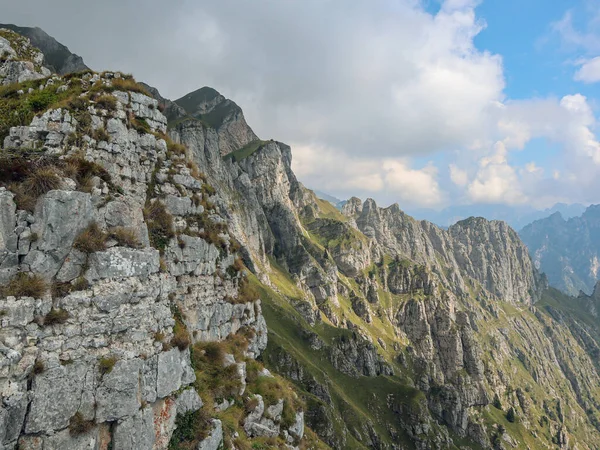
(247, 150)
(286, 325)
(355, 399)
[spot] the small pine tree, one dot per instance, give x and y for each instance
(497, 404)
(510, 415)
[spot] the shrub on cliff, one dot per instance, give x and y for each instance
(106, 364)
(91, 240)
(126, 237)
(78, 425)
(56, 316)
(160, 225)
(42, 180)
(180, 339)
(106, 101)
(510, 415)
(190, 429)
(25, 285)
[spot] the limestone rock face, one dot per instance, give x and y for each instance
(264, 421)
(355, 356)
(96, 346)
(214, 441)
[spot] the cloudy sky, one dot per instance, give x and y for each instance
(427, 103)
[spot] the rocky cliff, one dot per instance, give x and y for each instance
(121, 285)
(151, 267)
(567, 251)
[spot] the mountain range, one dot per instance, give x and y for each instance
(516, 216)
(166, 282)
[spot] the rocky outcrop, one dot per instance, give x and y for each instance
(354, 356)
(260, 196)
(221, 114)
(171, 110)
(214, 441)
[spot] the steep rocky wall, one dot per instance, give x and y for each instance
(97, 344)
(261, 197)
(219, 113)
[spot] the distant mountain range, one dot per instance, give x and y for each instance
(331, 199)
(567, 250)
(516, 216)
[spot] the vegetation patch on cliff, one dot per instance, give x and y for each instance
(246, 151)
(25, 285)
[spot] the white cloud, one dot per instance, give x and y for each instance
(412, 186)
(496, 180)
(579, 136)
(458, 176)
(569, 122)
(358, 88)
(587, 38)
(589, 72)
(366, 176)
(532, 168)
(334, 172)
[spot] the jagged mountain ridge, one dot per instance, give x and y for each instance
(396, 333)
(516, 216)
(568, 251)
(312, 242)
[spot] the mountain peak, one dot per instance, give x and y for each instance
(214, 110)
(202, 101)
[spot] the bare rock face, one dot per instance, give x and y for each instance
(492, 253)
(260, 196)
(95, 347)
